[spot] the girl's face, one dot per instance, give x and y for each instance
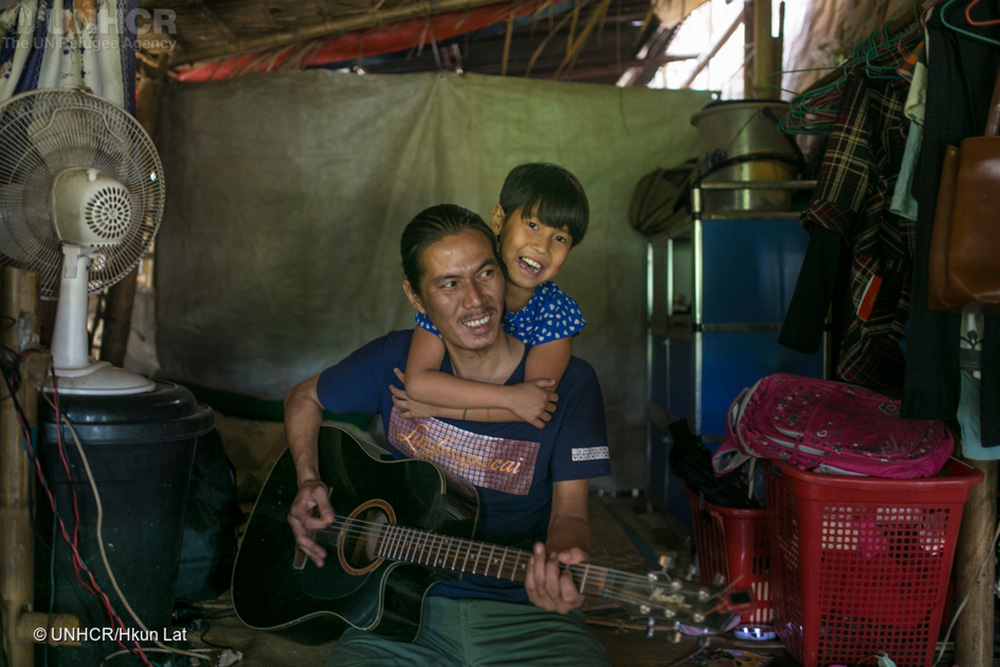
(532, 251)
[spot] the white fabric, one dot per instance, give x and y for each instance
(287, 193)
(81, 45)
(17, 21)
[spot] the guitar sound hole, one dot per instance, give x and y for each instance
(360, 537)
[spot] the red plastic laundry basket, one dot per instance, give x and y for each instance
(861, 565)
(733, 542)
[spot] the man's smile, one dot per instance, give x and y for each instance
(479, 322)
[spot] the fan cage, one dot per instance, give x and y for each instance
(46, 131)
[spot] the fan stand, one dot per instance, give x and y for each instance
(75, 371)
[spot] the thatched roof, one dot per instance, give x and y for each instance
(583, 40)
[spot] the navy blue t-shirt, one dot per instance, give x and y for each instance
(511, 464)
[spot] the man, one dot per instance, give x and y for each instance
(532, 483)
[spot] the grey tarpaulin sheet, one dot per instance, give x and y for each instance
(287, 193)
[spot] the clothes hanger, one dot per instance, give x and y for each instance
(961, 31)
(968, 16)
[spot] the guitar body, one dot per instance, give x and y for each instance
(272, 591)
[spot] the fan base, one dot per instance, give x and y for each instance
(100, 378)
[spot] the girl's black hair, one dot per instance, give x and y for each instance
(560, 200)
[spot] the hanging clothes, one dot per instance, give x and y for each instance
(961, 72)
(56, 43)
(851, 206)
(913, 69)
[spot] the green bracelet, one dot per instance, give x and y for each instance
(463, 412)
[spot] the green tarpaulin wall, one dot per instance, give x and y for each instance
(287, 193)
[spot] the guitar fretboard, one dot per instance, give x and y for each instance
(469, 556)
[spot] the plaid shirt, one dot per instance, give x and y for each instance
(852, 194)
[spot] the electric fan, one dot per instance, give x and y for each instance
(81, 198)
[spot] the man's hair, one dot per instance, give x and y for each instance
(561, 201)
(431, 225)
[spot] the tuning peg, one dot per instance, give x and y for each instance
(704, 639)
(675, 633)
(665, 562)
(719, 579)
(691, 571)
(650, 627)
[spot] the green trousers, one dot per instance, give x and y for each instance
(477, 632)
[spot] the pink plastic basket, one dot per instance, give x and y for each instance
(733, 543)
(861, 565)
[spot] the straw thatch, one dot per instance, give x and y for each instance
(584, 40)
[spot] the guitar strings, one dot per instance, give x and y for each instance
(369, 529)
(360, 528)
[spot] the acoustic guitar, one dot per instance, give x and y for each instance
(401, 526)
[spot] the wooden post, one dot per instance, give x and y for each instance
(974, 628)
(759, 35)
(117, 319)
(121, 296)
(18, 332)
(703, 59)
(778, 55)
(749, 60)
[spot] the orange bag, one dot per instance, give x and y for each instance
(965, 240)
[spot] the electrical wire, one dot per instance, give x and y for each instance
(991, 553)
(77, 559)
(201, 637)
(78, 564)
(10, 369)
(100, 543)
(193, 653)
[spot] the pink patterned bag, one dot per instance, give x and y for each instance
(830, 427)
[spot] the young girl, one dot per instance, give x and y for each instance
(542, 214)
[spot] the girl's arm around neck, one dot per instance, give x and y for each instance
(548, 360)
(443, 395)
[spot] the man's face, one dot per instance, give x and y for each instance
(462, 290)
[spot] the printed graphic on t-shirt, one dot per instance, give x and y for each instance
(498, 464)
(590, 453)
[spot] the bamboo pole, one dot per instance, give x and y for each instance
(974, 628)
(121, 296)
(778, 54)
(418, 9)
(17, 576)
(763, 58)
(708, 55)
(117, 319)
(633, 65)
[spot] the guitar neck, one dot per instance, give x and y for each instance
(472, 557)
(366, 535)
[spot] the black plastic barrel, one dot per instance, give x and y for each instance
(139, 449)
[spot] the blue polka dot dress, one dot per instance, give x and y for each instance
(549, 315)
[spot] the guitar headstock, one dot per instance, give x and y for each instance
(682, 604)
